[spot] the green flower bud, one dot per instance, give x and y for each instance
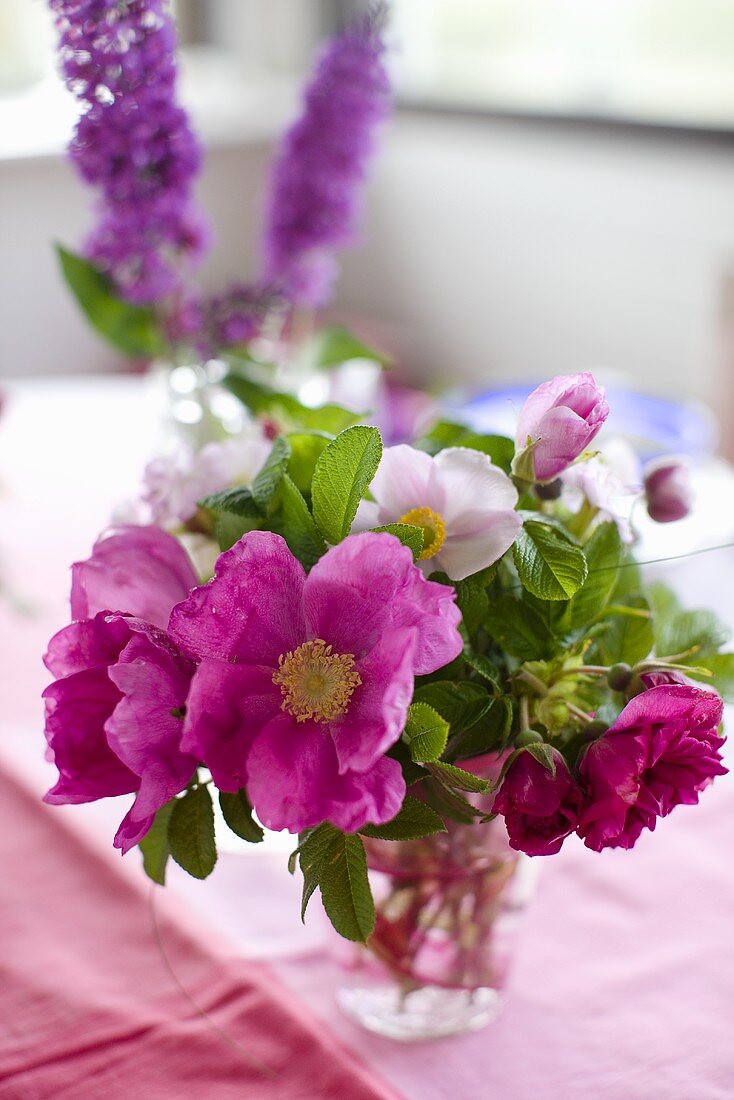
(527, 737)
(619, 676)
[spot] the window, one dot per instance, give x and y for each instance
(661, 62)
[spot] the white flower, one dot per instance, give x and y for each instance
(610, 481)
(173, 484)
(465, 505)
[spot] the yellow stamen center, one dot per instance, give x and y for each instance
(315, 682)
(433, 527)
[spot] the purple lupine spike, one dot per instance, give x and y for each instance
(315, 188)
(132, 142)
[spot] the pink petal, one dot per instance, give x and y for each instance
(140, 571)
(92, 643)
(295, 782)
(378, 709)
(462, 555)
(469, 482)
(227, 707)
(251, 611)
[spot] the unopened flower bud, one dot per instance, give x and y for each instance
(619, 676)
(550, 491)
(527, 737)
(668, 490)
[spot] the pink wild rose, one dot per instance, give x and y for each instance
(662, 751)
(540, 809)
(304, 682)
(557, 423)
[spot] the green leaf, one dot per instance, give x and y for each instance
(426, 733)
(332, 346)
(306, 448)
(191, 832)
(457, 778)
(345, 888)
(604, 552)
(342, 476)
(272, 473)
(721, 666)
(287, 409)
(490, 734)
(547, 564)
(446, 433)
(414, 820)
(484, 667)
(295, 523)
(132, 329)
(519, 629)
(543, 754)
(461, 703)
(237, 812)
(410, 536)
(628, 636)
(234, 512)
(155, 847)
(312, 852)
(700, 631)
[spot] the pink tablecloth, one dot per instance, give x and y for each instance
(623, 987)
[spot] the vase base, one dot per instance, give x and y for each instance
(427, 1013)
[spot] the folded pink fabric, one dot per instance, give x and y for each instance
(88, 1007)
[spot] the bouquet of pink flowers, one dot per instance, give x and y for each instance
(376, 620)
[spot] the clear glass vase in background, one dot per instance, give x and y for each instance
(448, 908)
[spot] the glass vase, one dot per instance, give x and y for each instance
(448, 907)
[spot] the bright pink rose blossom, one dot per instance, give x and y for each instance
(140, 571)
(305, 681)
(540, 809)
(662, 751)
(557, 423)
(114, 715)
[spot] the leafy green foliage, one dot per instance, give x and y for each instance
(131, 329)
(547, 563)
(410, 536)
(604, 552)
(237, 812)
(457, 778)
(286, 409)
(446, 433)
(519, 629)
(426, 733)
(334, 345)
(335, 862)
(295, 523)
(341, 478)
(155, 847)
(414, 820)
(272, 473)
(306, 448)
(232, 514)
(191, 832)
(628, 634)
(697, 631)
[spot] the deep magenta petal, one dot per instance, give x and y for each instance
(140, 571)
(540, 809)
(92, 643)
(251, 611)
(227, 707)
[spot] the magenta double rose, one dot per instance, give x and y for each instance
(294, 686)
(662, 751)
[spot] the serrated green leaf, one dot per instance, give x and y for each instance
(547, 564)
(312, 852)
(237, 812)
(484, 667)
(700, 631)
(461, 703)
(154, 846)
(457, 778)
(191, 832)
(604, 552)
(233, 513)
(414, 820)
(132, 329)
(628, 635)
(410, 536)
(272, 473)
(345, 888)
(342, 476)
(426, 733)
(490, 734)
(519, 629)
(721, 667)
(334, 345)
(543, 754)
(295, 523)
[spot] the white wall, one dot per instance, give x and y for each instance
(505, 249)
(495, 249)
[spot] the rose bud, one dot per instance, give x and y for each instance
(668, 490)
(540, 809)
(557, 423)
